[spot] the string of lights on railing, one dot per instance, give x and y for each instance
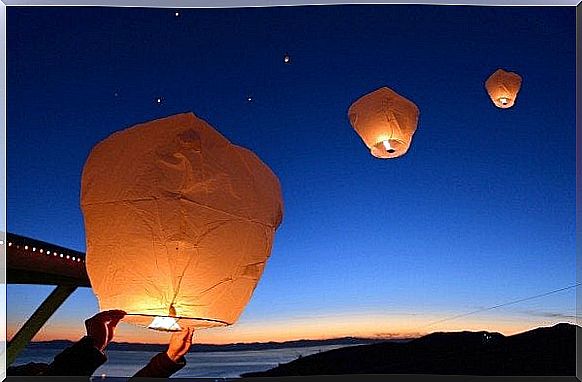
(45, 252)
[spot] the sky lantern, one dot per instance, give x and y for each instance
(385, 121)
(503, 87)
(179, 223)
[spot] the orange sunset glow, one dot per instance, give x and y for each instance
(365, 326)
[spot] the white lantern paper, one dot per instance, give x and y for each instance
(179, 223)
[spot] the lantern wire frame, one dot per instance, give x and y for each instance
(203, 323)
(386, 148)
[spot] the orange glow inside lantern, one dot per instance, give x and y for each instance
(502, 87)
(179, 223)
(385, 121)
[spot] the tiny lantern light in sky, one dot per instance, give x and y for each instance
(287, 58)
(503, 87)
(385, 121)
(179, 223)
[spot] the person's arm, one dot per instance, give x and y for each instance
(163, 365)
(86, 355)
(81, 359)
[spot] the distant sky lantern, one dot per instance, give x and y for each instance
(385, 121)
(179, 223)
(503, 87)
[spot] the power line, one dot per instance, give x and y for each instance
(504, 304)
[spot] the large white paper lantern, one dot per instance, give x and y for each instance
(179, 223)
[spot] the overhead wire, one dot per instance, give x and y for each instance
(504, 304)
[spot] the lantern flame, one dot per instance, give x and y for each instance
(168, 324)
(503, 100)
(387, 146)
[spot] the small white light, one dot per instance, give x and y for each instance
(55, 254)
(165, 323)
(73, 258)
(159, 100)
(503, 100)
(48, 252)
(26, 247)
(387, 146)
(61, 254)
(177, 14)
(41, 250)
(10, 244)
(68, 257)
(78, 259)
(33, 249)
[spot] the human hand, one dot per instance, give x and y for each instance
(180, 343)
(101, 327)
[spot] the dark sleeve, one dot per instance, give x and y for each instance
(161, 366)
(31, 368)
(81, 359)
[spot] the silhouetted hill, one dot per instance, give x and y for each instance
(542, 351)
(121, 346)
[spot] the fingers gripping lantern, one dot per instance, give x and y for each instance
(179, 223)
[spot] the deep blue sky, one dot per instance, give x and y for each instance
(481, 209)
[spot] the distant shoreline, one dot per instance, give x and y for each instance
(244, 346)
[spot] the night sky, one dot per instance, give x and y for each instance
(480, 211)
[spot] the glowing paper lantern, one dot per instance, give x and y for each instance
(503, 87)
(385, 121)
(179, 223)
